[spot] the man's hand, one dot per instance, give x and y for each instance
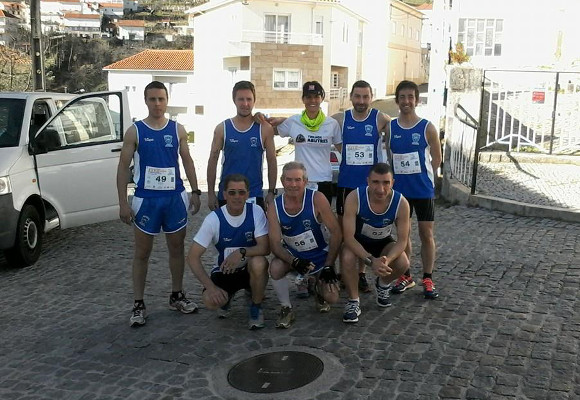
(194, 203)
(275, 121)
(212, 201)
(381, 267)
(231, 262)
(217, 295)
(302, 266)
(328, 277)
(126, 214)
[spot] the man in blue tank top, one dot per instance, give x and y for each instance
(155, 145)
(362, 130)
(298, 243)
(243, 142)
(239, 232)
(370, 212)
(415, 154)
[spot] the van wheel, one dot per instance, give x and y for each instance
(26, 250)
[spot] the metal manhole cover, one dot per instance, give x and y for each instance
(275, 372)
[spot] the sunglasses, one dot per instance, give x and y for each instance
(240, 192)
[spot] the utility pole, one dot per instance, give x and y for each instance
(36, 46)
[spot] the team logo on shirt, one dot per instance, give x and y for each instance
(249, 236)
(415, 137)
(144, 220)
(227, 239)
(349, 127)
(306, 224)
(387, 221)
(368, 130)
(300, 138)
(168, 140)
(254, 142)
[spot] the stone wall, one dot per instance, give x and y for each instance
(267, 56)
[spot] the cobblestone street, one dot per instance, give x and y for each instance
(506, 325)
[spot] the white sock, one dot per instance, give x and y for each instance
(282, 289)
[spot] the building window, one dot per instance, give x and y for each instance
(480, 37)
(289, 79)
(417, 35)
(198, 110)
(277, 28)
(403, 30)
(318, 26)
(394, 27)
(345, 32)
(335, 80)
(410, 33)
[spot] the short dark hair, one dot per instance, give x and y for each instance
(155, 85)
(406, 85)
(236, 178)
(242, 85)
(381, 169)
(361, 84)
(313, 87)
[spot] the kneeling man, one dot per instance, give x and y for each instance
(369, 214)
(239, 231)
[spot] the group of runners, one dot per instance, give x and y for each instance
(387, 172)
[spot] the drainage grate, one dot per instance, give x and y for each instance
(275, 372)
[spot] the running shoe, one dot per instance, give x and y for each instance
(256, 317)
(363, 284)
(351, 311)
(383, 294)
(286, 318)
(138, 315)
(181, 303)
(403, 283)
(429, 289)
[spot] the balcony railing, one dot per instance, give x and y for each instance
(282, 37)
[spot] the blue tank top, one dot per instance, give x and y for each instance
(234, 238)
(157, 161)
(302, 233)
(370, 226)
(411, 160)
(243, 154)
(360, 149)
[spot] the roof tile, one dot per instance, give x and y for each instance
(164, 60)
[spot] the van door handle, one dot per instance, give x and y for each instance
(116, 150)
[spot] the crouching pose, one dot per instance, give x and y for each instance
(239, 231)
(298, 243)
(369, 215)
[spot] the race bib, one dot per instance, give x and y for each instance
(407, 163)
(360, 154)
(230, 250)
(303, 242)
(159, 178)
(376, 233)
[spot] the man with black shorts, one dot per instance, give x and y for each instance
(243, 142)
(298, 242)
(362, 129)
(369, 215)
(239, 232)
(415, 154)
(155, 145)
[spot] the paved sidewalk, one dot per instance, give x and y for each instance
(507, 324)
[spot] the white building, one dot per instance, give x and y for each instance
(85, 25)
(172, 67)
(20, 10)
(519, 34)
(8, 27)
(111, 9)
(131, 29)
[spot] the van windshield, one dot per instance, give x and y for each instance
(11, 115)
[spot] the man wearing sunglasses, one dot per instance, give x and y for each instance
(243, 142)
(239, 232)
(299, 244)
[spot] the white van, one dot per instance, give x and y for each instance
(58, 165)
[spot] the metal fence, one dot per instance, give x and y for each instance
(535, 111)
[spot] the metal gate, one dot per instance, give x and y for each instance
(536, 111)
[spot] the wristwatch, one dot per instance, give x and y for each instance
(273, 191)
(243, 252)
(196, 191)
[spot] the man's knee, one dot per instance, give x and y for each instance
(257, 266)
(278, 269)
